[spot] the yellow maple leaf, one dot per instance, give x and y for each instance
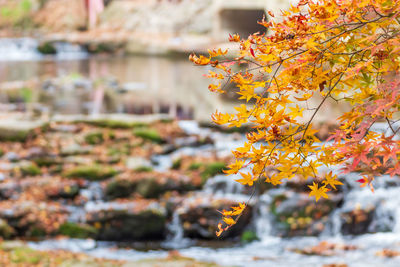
(247, 179)
(202, 60)
(234, 167)
(332, 180)
(229, 220)
(318, 192)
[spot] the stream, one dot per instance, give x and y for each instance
(362, 224)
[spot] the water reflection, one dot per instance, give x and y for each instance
(165, 85)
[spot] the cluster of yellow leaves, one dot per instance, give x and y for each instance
(327, 50)
(230, 217)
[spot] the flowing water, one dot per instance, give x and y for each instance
(165, 84)
(270, 250)
(177, 82)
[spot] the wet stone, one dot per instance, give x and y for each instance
(296, 214)
(140, 221)
(199, 219)
(357, 221)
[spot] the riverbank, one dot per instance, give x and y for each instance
(18, 254)
(124, 27)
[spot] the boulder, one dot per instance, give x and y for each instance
(90, 172)
(76, 230)
(296, 214)
(33, 219)
(200, 217)
(357, 221)
(75, 149)
(6, 231)
(149, 184)
(133, 163)
(132, 221)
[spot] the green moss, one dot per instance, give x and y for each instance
(176, 165)
(166, 120)
(248, 236)
(104, 47)
(47, 48)
(15, 135)
(6, 231)
(92, 173)
(149, 135)
(94, 138)
(149, 188)
(24, 255)
(31, 170)
(1, 152)
(111, 135)
(26, 94)
(114, 124)
(114, 152)
(36, 232)
(144, 169)
(277, 200)
(46, 161)
(212, 169)
(119, 189)
(75, 230)
(195, 166)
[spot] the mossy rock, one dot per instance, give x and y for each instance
(176, 164)
(296, 214)
(195, 166)
(76, 230)
(47, 48)
(149, 135)
(122, 151)
(143, 169)
(46, 161)
(6, 231)
(149, 188)
(103, 48)
(357, 221)
(67, 192)
(114, 124)
(119, 189)
(26, 256)
(36, 232)
(9, 135)
(74, 150)
(249, 236)
(119, 225)
(94, 138)
(212, 169)
(225, 129)
(109, 160)
(167, 120)
(30, 170)
(92, 173)
(199, 221)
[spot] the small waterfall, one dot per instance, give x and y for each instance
(175, 238)
(19, 49)
(383, 201)
(222, 185)
(26, 49)
(68, 51)
(93, 192)
(262, 219)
